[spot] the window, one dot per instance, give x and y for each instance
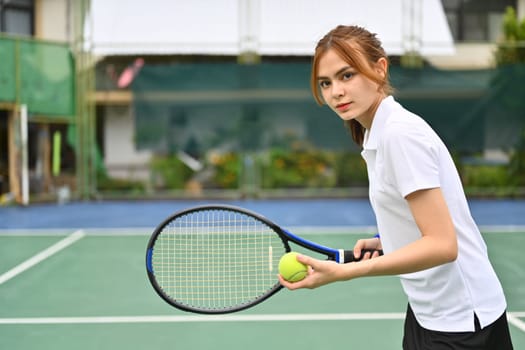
(17, 17)
(476, 20)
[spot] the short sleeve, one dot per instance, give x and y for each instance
(412, 158)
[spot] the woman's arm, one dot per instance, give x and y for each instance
(437, 246)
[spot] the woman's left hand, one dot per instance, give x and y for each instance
(320, 272)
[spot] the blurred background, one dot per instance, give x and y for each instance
(211, 98)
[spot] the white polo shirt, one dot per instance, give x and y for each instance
(403, 155)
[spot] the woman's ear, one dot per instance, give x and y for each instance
(382, 67)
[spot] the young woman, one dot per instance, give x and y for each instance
(455, 300)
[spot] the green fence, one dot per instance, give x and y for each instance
(38, 74)
(256, 107)
(257, 126)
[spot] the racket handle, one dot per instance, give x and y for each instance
(349, 254)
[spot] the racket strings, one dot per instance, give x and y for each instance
(216, 259)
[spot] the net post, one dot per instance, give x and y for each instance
(24, 154)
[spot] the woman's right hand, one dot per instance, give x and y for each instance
(370, 244)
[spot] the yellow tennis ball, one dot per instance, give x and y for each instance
(291, 269)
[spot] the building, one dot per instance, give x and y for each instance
(448, 34)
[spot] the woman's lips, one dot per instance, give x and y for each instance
(343, 106)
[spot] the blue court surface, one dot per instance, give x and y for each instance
(319, 212)
(72, 276)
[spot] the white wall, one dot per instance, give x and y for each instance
(521, 9)
(53, 21)
(121, 158)
(467, 56)
(270, 27)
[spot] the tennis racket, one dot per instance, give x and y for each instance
(217, 259)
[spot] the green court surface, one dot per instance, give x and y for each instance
(89, 290)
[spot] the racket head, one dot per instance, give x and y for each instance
(215, 259)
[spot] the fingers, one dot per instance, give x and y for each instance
(295, 285)
(369, 244)
(367, 254)
(304, 283)
(289, 285)
(371, 254)
(306, 260)
(359, 246)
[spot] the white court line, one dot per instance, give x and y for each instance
(502, 228)
(211, 318)
(513, 319)
(44, 254)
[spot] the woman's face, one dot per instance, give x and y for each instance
(348, 93)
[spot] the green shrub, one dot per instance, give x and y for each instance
(485, 176)
(517, 162)
(105, 183)
(169, 172)
(299, 169)
(226, 168)
(350, 170)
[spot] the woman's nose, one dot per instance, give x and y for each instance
(337, 90)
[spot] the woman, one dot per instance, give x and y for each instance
(427, 233)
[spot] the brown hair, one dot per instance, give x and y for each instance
(360, 49)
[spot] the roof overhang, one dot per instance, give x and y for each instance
(268, 27)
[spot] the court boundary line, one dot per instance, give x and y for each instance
(513, 318)
(203, 318)
(41, 256)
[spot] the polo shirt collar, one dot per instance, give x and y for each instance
(373, 135)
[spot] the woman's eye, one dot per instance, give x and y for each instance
(324, 84)
(347, 75)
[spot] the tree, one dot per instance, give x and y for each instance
(508, 82)
(512, 48)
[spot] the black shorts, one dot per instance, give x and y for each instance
(494, 336)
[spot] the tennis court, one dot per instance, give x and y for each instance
(73, 277)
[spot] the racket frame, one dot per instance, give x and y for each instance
(337, 255)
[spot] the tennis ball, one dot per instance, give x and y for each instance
(291, 269)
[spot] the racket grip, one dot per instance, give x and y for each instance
(349, 254)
